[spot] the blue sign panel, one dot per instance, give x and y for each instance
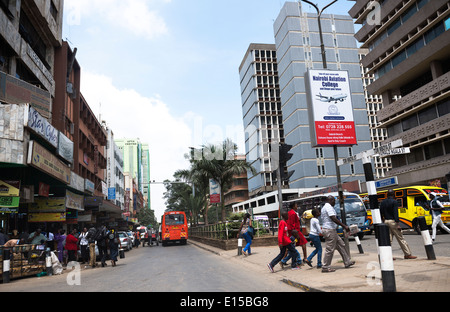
(386, 182)
(112, 193)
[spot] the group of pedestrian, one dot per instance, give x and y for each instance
(67, 246)
(290, 236)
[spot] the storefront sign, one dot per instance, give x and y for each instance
(9, 204)
(330, 108)
(13, 90)
(76, 182)
(74, 201)
(9, 188)
(45, 161)
(89, 186)
(46, 217)
(49, 205)
(41, 126)
(65, 147)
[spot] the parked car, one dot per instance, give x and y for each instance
(125, 241)
(131, 236)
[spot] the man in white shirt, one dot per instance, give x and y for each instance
(332, 239)
(436, 211)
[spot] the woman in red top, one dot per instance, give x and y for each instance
(293, 223)
(72, 246)
(284, 243)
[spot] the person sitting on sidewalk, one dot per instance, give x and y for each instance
(284, 242)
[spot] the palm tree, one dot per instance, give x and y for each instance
(218, 163)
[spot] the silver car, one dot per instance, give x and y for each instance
(125, 241)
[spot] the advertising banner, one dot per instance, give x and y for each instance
(42, 159)
(65, 147)
(50, 205)
(9, 188)
(41, 126)
(46, 217)
(214, 192)
(330, 108)
(74, 201)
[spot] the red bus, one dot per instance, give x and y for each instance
(174, 227)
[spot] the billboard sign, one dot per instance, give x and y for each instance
(330, 108)
(214, 192)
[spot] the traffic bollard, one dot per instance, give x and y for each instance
(358, 243)
(6, 265)
(239, 246)
(426, 238)
(386, 260)
(48, 262)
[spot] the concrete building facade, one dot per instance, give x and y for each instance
(409, 55)
(298, 49)
(262, 117)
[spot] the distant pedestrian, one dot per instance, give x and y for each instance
(436, 208)
(245, 232)
(60, 239)
(71, 246)
(137, 238)
(284, 243)
(332, 239)
(91, 236)
(84, 245)
(102, 235)
(114, 242)
(314, 237)
(389, 214)
(37, 238)
(293, 223)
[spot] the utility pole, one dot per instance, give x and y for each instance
(335, 148)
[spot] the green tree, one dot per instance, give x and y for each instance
(218, 162)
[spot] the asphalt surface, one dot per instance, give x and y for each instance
(156, 269)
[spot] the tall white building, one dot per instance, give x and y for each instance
(114, 172)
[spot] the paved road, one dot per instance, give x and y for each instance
(162, 269)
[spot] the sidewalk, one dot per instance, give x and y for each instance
(417, 275)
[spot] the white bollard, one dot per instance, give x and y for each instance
(239, 246)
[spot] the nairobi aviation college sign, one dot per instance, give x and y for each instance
(330, 108)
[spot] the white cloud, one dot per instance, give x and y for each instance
(131, 115)
(132, 15)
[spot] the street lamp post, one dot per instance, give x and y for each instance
(335, 148)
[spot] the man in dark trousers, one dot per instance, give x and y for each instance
(389, 214)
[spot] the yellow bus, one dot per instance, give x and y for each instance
(413, 203)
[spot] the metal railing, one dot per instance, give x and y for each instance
(229, 229)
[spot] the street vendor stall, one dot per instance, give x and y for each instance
(25, 260)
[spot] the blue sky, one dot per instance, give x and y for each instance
(166, 71)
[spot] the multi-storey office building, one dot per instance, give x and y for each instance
(409, 55)
(374, 103)
(261, 108)
(298, 49)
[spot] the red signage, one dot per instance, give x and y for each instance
(44, 189)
